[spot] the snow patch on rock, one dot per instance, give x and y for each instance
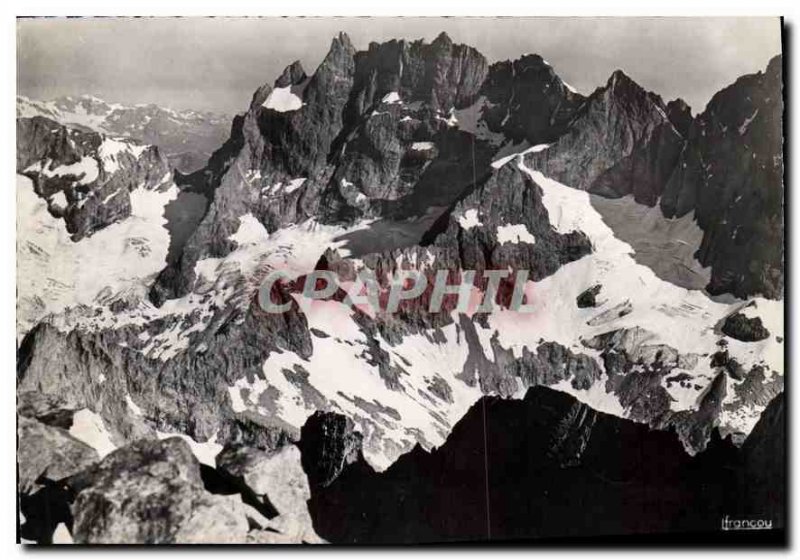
(470, 219)
(205, 452)
(132, 406)
(391, 98)
(283, 100)
(516, 233)
(87, 170)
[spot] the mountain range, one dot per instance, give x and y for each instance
(187, 138)
(641, 395)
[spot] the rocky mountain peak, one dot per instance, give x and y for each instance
(528, 100)
(623, 87)
(731, 175)
(443, 39)
(292, 75)
(342, 43)
(626, 143)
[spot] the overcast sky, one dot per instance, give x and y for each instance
(216, 63)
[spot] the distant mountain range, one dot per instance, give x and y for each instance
(187, 138)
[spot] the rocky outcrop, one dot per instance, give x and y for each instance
(51, 409)
(731, 175)
(85, 177)
(156, 492)
(473, 234)
(151, 492)
(102, 369)
(273, 166)
(680, 115)
(588, 297)
(620, 142)
(279, 480)
(48, 453)
(744, 328)
(442, 74)
(527, 101)
(640, 372)
(500, 225)
(329, 443)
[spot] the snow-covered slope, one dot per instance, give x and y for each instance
(55, 273)
(433, 393)
(341, 369)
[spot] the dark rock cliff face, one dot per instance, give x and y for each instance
(329, 444)
(620, 142)
(731, 175)
(528, 101)
(441, 74)
(85, 177)
(585, 474)
(763, 480)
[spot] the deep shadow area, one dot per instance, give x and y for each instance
(182, 215)
(389, 235)
(549, 467)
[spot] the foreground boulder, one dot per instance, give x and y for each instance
(52, 410)
(48, 453)
(279, 480)
(151, 492)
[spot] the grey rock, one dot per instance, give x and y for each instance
(588, 297)
(731, 175)
(528, 101)
(236, 344)
(53, 410)
(151, 492)
(92, 203)
(278, 478)
(292, 75)
(620, 142)
(746, 329)
(48, 453)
